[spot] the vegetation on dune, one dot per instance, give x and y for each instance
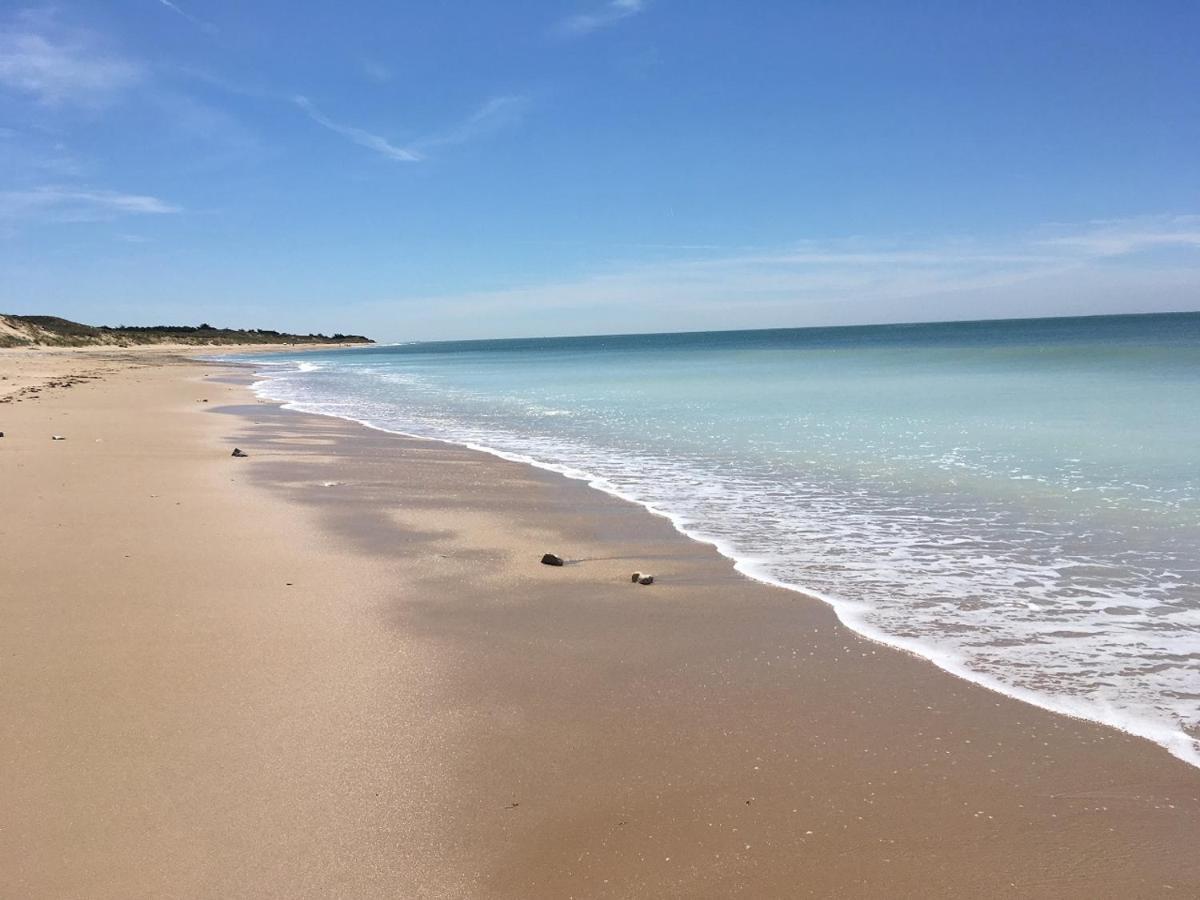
(51, 331)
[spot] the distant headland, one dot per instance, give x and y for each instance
(51, 331)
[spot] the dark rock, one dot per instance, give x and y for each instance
(551, 560)
(635, 577)
(646, 579)
(239, 453)
(57, 437)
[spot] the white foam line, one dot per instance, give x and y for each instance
(1174, 740)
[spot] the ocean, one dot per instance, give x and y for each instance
(1017, 501)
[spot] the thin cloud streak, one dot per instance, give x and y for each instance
(357, 135)
(57, 204)
(607, 15)
(199, 23)
(1118, 237)
(836, 282)
(494, 115)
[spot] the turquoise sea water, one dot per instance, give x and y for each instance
(1018, 501)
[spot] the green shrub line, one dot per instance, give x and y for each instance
(53, 331)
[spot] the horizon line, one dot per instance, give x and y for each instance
(900, 324)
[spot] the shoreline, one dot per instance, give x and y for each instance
(344, 671)
(1175, 742)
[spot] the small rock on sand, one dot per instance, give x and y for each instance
(238, 452)
(57, 437)
(551, 559)
(646, 579)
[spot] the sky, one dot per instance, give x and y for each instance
(444, 170)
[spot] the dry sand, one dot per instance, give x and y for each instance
(336, 668)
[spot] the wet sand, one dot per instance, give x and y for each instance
(336, 668)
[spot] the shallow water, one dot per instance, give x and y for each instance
(1018, 501)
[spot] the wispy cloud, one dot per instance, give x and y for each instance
(35, 156)
(609, 14)
(1117, 237)
(57, 66)
(213, 137)
(376, 71)
(199, 23)
(494, 115)
(1076, 269)
(59, 204)
(357, 135)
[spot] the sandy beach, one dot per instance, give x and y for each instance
(337, 668)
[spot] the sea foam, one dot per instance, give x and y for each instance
(1023, 514)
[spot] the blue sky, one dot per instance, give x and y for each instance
(478, 168)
